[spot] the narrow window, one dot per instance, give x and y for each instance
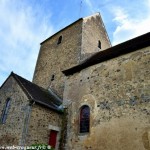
(99, 44)
(5, 111)
(59, 40)
(84, 119)
(53, 77)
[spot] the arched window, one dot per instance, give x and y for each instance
(5, 110)
(84, 119)
(59, 40)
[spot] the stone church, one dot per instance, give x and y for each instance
(85, 94)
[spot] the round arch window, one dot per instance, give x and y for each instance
(84, 119)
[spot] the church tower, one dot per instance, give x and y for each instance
(67, 48)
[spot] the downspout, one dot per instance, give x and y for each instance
(27, 113)
(26, 123)
(54, 95)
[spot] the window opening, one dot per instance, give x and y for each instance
(84, 119)
(99, 44)
(53, 77)
(5, 111)
(59, 40)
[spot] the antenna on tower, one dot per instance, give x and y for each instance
(80, 9)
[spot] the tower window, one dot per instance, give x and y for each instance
(99, 44)
(59, 40)
(5, 111)
(53, 77)
(84, 119)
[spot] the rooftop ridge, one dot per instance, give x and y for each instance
(22, 86)
(37, 93)
(16, 75)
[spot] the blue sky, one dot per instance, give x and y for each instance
(24, 24)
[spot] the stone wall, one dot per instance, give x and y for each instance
(53, 57)
(118, 94)
(93, 31)
(40, 120)
(26, 124)
(11, 131)
(79, 41)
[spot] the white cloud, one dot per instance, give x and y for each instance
(128, 26)
(130, 19)
(21, 31)
(96, 5)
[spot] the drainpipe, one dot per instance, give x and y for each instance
(55, 96)
(26, 123)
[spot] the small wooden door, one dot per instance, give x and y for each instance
(53, 138)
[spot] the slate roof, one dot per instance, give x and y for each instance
(38, 94)
(112, 52)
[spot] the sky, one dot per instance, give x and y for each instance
(24, 24)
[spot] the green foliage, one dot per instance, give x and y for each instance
(40, 147)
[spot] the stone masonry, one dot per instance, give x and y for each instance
(79, 41)
(79, 66)
(40, 119)
(11, 133)
(118, 94)
(27, 122)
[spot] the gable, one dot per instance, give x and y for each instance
(10, 87)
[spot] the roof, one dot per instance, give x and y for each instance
(112, 52)
(37, 93)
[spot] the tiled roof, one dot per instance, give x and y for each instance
(38, 94)
(112, 52)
